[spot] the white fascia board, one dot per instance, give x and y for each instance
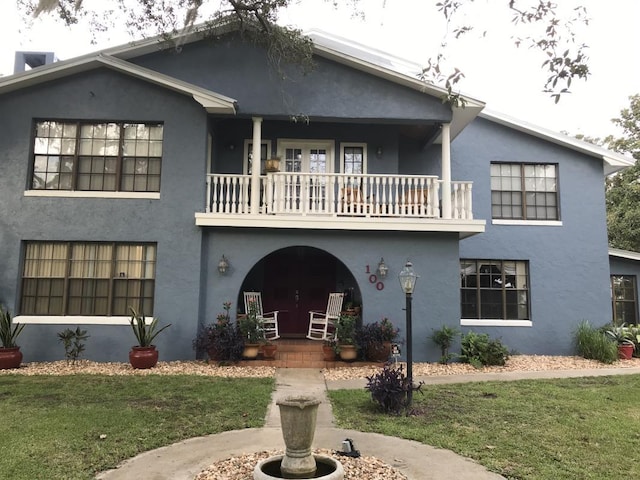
(612, 161)
(629, 255)
(211, 101)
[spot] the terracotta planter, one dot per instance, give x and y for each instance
(269, 351)
(348, 352)
(251, 350)
(625, 351)
(329, 353)
(379, 352)
(143, 357)
(272, 165)
(10, 358)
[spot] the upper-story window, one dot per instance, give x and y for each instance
(523, 191)
(110, 156)
(353, 158)
(94, 279)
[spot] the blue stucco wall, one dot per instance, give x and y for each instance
(240, 70)
(434, 257)
(106, 95)
(568, 264)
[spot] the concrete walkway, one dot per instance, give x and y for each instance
(183, 460)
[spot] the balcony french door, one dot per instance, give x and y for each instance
(315, 158)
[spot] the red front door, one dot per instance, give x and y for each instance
(297, 280)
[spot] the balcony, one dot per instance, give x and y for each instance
(339, 201)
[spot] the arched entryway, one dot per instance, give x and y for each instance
(295, 280)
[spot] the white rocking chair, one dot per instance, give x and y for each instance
(320, 322)
(268, 320)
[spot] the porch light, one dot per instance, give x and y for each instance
(379, 152)
(382, 268)
(408, 278)
(223, 265)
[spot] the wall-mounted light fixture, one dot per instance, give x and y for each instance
(223, 265)
(231, 146)
(382, 268)
(379, 151)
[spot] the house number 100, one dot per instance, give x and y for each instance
(373, 279)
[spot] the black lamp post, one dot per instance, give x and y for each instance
(408, 280)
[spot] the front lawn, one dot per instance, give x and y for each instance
(72, 427)
(587, 428)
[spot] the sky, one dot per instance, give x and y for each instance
(509, 80)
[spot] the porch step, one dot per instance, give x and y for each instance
(299, 353)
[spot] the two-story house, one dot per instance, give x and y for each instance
(137, 176)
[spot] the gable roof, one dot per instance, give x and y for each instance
(612, 161)
(211, 101)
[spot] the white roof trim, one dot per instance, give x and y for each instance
(211, 101)
(616, 252)
(612, 161)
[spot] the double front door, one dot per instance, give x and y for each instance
(297, 280)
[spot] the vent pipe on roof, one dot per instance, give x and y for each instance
(27, 60)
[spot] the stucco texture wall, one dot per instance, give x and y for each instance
(568, 264)
(107, 95)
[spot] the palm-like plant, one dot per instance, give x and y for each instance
(145, 333)
(8, 332)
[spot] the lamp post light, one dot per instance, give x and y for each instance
(408, 280)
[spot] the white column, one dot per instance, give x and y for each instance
(256, 165)
(446, 171)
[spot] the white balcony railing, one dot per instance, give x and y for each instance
(338, 195)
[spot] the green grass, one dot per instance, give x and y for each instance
(586, 428)
(50, 426)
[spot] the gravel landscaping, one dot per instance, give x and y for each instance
(197, 367)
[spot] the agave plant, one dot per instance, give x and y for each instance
(8, 332)
(145, 333)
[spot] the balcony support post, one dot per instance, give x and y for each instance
(446, 171)
(256, 165)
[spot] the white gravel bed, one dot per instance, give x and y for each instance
(241, 467)
(515, 363)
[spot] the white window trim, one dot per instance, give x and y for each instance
(470, 322)
(364, 155)
(92, 194)
(247, 151)
(305, 144)
(537, 223)
(74, 320)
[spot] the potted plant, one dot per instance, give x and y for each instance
(251, 332)
(375, 339)
(623, 338)
(346, 337)
(221, 340)
(272, 164)
(329, 350)
(10, 354)
(144, 355)
(269, 350)
(443, 337)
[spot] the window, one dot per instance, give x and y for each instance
(524, 191)
(354, 158)
(494, 289)
(265, 152)
(623, 292)
(69, 278)
(123, 157)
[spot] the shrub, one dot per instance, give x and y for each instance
(389, 389)
(592, 343)
(479, 350)
(221, 340)
(443, 337)
(72, 341)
